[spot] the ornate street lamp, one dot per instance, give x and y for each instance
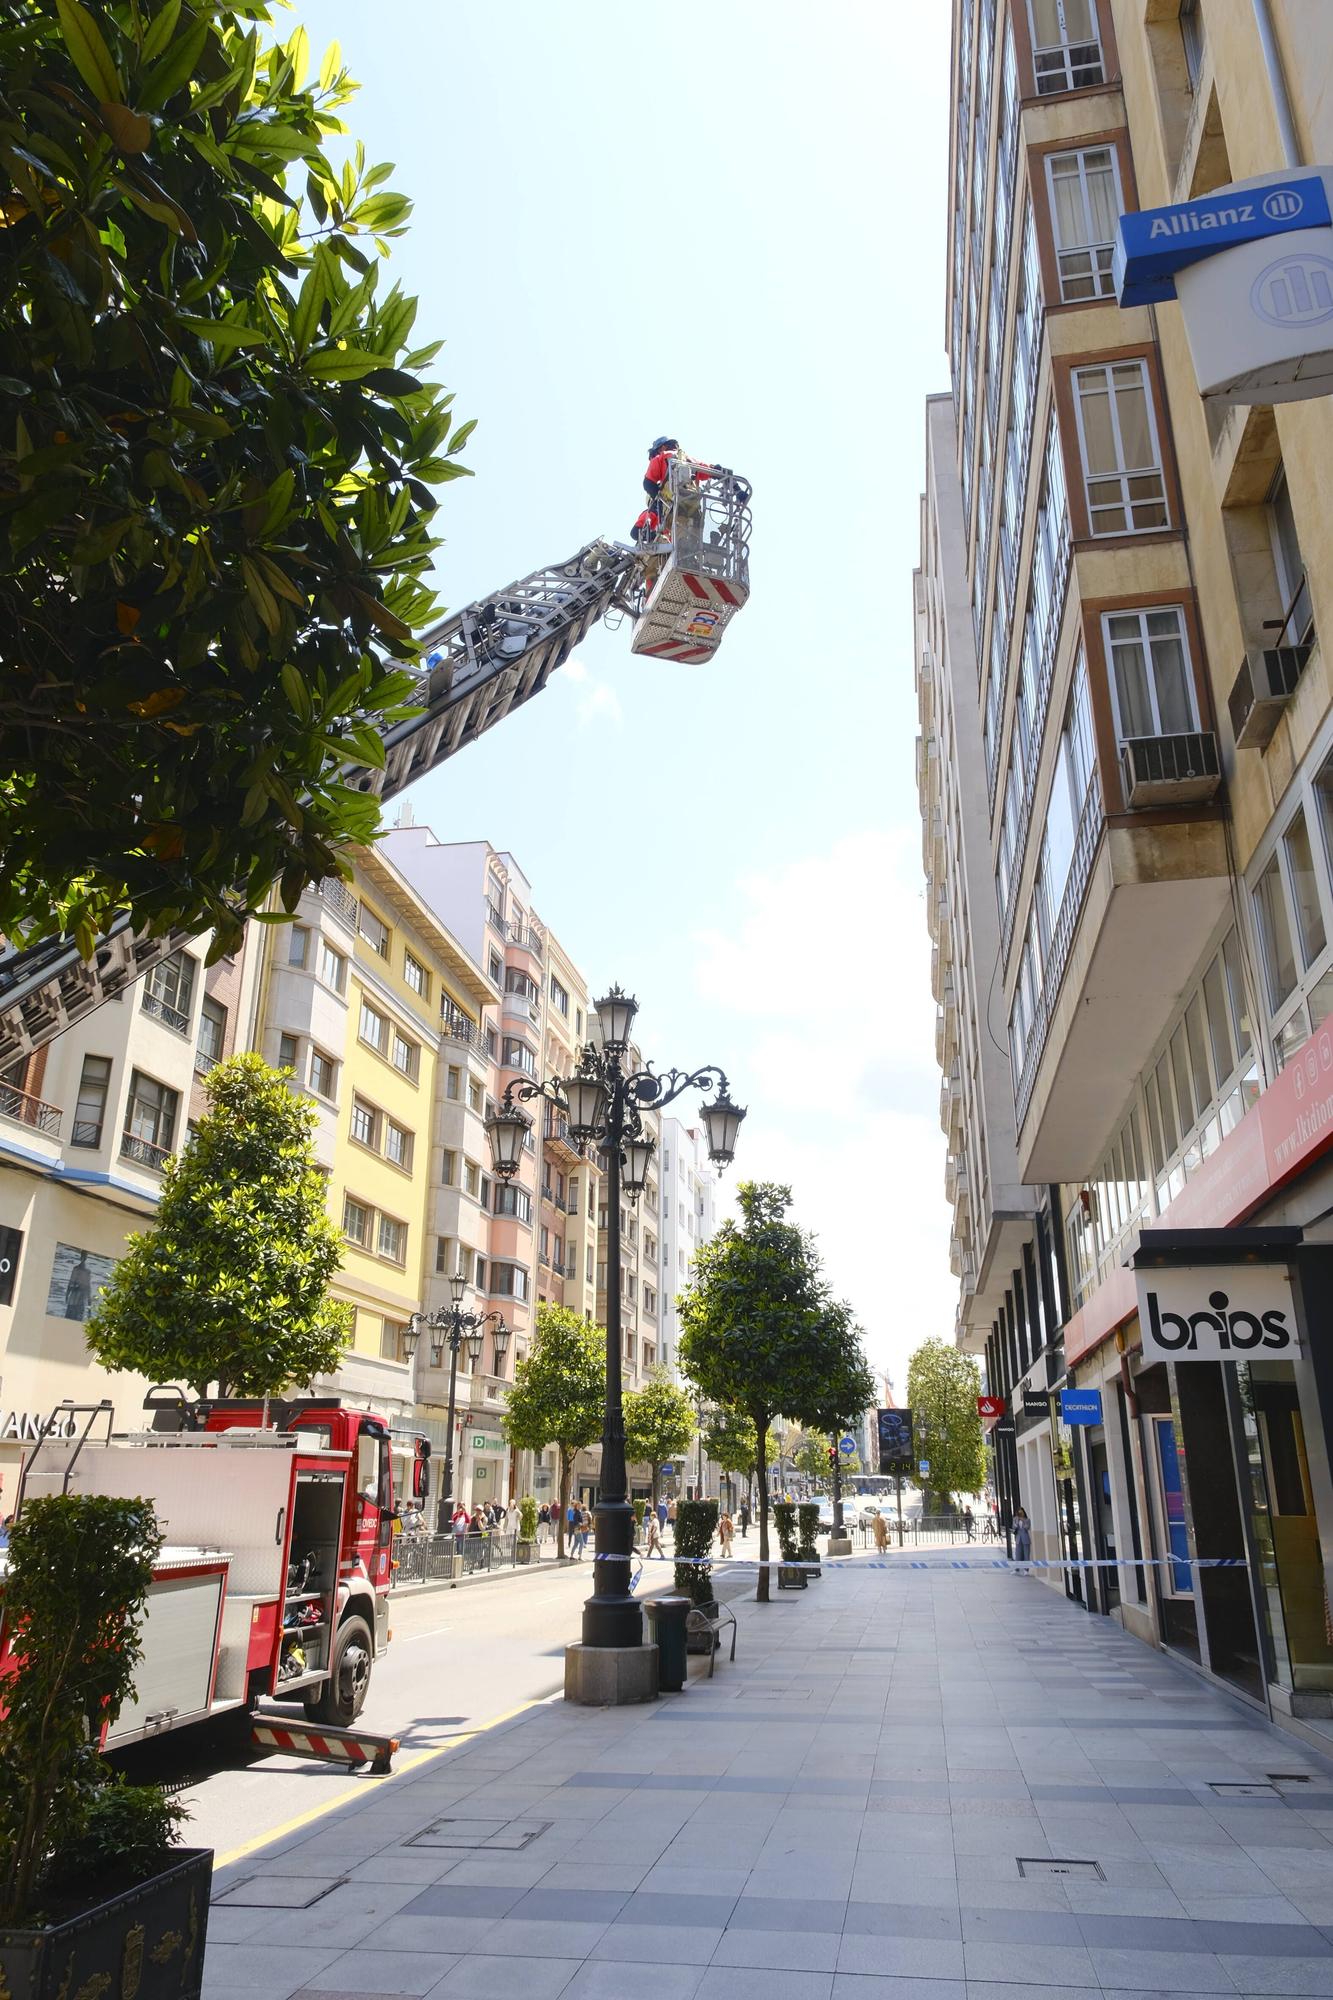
(452, 1325)
(604, 1103)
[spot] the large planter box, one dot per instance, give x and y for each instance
(526, 1552)
(791, 1577)
(145, 1944)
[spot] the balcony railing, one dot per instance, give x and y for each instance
(458, 1028)
(25, 1110)
(341, 901)
(526, 938)
(204, 1061)
(170, 1016)
(143, 1152)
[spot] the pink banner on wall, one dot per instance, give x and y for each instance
(1290, 1125)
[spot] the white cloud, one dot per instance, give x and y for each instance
(595, 698)
(829, 970)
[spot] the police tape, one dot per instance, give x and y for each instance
(947, 1562)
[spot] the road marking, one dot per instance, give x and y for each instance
(409, 1764)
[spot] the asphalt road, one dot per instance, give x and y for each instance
(458, 1659)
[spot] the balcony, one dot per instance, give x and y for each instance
(21, 1109)
(557, 1136)
(522, 937)
(1141, 903)
(143, 1152)
(340, 900)
(161, 1010)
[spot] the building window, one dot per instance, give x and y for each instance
(374, 930)
(90, 1105)
(356, 1221)
(393, 1239)
(472, 1178)
(508, 1281)
(517, 1055)
(1066, 50)
(1085, 208)
(511, 1200)
(298, 946)
(559, 997)
(1298, 619)
(323, 1075)
(398, 1145)
(332, 967)
(446, 1260)
(545, 1247)
(150, 1120)
(1192, 35)
(289, 1055)
(1150, 673)
(406, 1056)
(169, 990)
(416, 975)
(212, 1031)
(475, 1095)
(1122, 469)
(496, 965)
(391, 1339)
(374, 1028)
(365, 1127)
(453, 1082)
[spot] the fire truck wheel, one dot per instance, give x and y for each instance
(340, 1699)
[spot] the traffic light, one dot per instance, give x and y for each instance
(833, 1454)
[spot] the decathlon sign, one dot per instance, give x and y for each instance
(1217, 1312)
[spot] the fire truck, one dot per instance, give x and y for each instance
(273, 1579)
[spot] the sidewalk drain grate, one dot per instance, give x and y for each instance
(1282, 1779)
(496, 1835)
(1232, 1790)
(277, 1892)
(1088, 1871)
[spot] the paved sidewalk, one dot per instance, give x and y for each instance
(859, 1809)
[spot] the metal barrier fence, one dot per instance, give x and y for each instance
(932, 1531)
(434, 1558)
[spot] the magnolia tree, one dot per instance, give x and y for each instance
(558, 1395)
(942, 1390)
(759, 1332)
(659, 1424)
(219, 445)
(731, 1443)
(230, 1288)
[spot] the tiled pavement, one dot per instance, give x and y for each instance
(839, 1816)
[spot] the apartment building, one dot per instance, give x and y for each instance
(688, 1193)
(1138, 907)
(87, 1124)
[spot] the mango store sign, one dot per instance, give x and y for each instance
(1252, 267)
(28, 1426)
(1217, 1312)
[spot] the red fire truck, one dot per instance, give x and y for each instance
(273, 1580)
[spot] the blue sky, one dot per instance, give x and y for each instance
(725, 222)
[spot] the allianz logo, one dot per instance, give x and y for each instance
(1228, 1330)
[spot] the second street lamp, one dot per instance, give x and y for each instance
(452, 1325)
(604, 1102)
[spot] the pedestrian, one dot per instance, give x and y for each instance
(881, 1532)
(654, 1543)
(572, 1527)
(543, 1523)
(726, 1528)
(969, 1522)
(585, 1523)
(458, 1522)
(662, 1514)
(1022, 1540)
(745, 1519)
(671, 1518)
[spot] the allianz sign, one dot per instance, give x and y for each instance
(1217, 1312)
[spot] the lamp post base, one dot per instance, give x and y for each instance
(610, 1676)
(613, 1616)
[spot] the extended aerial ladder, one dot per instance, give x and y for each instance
(477, 667)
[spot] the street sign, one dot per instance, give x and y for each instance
(894, 1436)
(480, 1443)
(669, 1471)
(1080, 1406)
(924, 1468)
(1153, 244)
(990, 1406)
(1036, 1403)
(847, 1445)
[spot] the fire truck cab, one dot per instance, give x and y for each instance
(274, 1578)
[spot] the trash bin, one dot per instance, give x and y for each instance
(668, 1616)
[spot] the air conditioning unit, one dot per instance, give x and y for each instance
(1171, 770)
(1263, 687)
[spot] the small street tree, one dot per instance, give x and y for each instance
(231, 1285)
(812, 1458)
(659, 1423)
(219, 445)
(848, 1387)
(942, 1390)
(751, 1324)
(730, 1441)
(558, 1394)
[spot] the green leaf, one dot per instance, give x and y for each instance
(162, 30)
(221, 333)
(330, 66)
(461, 436)
(132, 132)
(298, 694)
(341, 364)
(174, 69)
(305, 321)
(88, 52)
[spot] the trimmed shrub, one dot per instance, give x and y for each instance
(784, 1520)
(807, 1514)
(696, 1525)
(527, 1519)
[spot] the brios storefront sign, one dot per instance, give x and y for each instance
(1217, 1312)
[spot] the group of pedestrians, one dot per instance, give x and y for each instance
(483, 1520)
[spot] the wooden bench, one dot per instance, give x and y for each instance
(710, 1618)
